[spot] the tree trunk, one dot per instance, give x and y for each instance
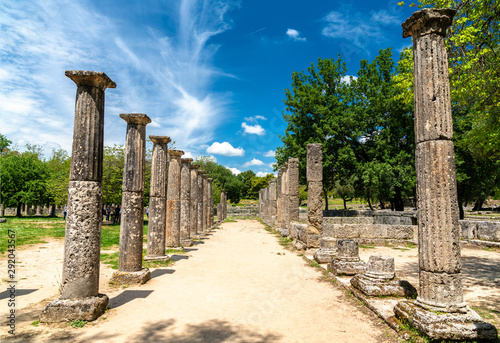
(325, 192)
(370, 204)
(398, 200)
(52, 210)
(18, 212)
(478, 205)
(461, 210)
(345, 203)
(382, 205)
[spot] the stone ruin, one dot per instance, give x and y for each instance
(347, 261)
(178, 212)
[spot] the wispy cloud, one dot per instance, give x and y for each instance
(254, 162)
(253, 129)
(262, 174)
(255, 118)
(165, 74)
(295, 35)
(270, 153)
(225, 149)
(235, 171)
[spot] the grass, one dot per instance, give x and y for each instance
(230, 220)
(78, 323)
(367, 246)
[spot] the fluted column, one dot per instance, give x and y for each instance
(205, 202)
(200, 200)
(210, 203)
(315, 187)
(82, 243)
(279, 214)
(157, 199)
(186, 241)
(293, 184)
(174, 200)
(194, 201)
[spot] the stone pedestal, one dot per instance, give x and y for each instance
(193, 226)
(173, 232)
(347, 261)
(440, 284)
(157, 200)
(80, 298)
(379, 279)
(186, 240)
(132, 215)
(327, 250)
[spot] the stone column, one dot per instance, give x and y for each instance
(440, 283)
(279, 214)
(200, 201)
(38, 210)
(219, 212)
(286, 213)
(272, 199)
(205, 203)
(132, 215)
(347, 261)
(261, 205)
(194, 201)
(186, 241)
(80, 298)
(314, 191)
(293, 189)
(2, 210)
(173, 238)
(224, 204)
(210, 205)
(158, 200)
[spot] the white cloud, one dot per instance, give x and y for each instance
(235, 171)
(347, 78)
(40, 39)
(254, 162)
(270, 153)
(262, 174)
(385, 18)
(351, 27)
(188, 154)
(295, 35)
(253, 129)
(255, 118)
(225, 149)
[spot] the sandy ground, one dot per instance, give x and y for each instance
(238, 285)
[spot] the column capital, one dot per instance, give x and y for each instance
(210, 179)
(159, 139)
(205, 176)
(186, 160)
(175, 153)
(90, 78)
(272, 181)
(427, 21)
(201, 172)
(195, 166)
(135, 118)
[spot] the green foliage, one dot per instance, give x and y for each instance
(246, 178)
(302, 194)
(257, 183)
(57, 184)
(112, 175)
(4, 143)
(78, 323)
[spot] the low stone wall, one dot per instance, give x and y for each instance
(370, 231)
(243, 211)
(482, 230)
(368, 213)
(375, 220)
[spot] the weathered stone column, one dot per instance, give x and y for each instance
(80, 298)
(272, 201)
(279, 198)
(210, 204)
(38, 210)
(440, 284)
(314, 191)
(286, 213)
(186, 240)
(132, 216)
(194, 201)
(219, 212)
(293, 189)
(158, 200)
(205, 203)
(261, 205)
(200, 201)
(347, 261)
(224, 204)
(2, 210)
(173, 238)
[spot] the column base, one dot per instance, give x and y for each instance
(284, 232)
(157, 258)
(339, 267)
(62, 310)
(187, 242)
(377, 287)
(128, 278)
(179, 249)
(445, 326)
(325, 256)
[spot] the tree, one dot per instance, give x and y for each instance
(345, 190)
(58, 180)
(258, 183)
(246, 177)
(112, 175)
(24, 178)
(4, 143)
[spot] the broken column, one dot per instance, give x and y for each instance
(347, 261)
(314, 191)
(327, 250)
(158, 200)
(440, 282)
(293, 189)
(379, 279)
(200, 201)
(219, 213)
(285, 227)
(132, 214)
(80, 298)
(173, 237)
(194, 201)
(272, 201)
(224, 204)
(185, 231)
(279, 214)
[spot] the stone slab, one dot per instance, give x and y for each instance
(129, 278)
(445, 326)
(157, 258)
(62, 310)
(339, 267)
(187, 242)
(376, 287)
(325, 256)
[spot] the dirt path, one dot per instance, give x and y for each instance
(240, 285)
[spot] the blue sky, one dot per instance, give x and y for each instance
(210, 74)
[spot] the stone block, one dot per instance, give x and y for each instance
(157, 258)
(187, 242)
(347, 250)
(468, 326)
(328, 243)
(62, 310)
(468, 229)
(340, 267)
(130, 278)
(357, 220)
(488, 231)
(324, 255)
(380, 267)
(379, 287)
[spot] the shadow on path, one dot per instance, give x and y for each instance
(160, 271)
(126, 296)
(19, 292)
